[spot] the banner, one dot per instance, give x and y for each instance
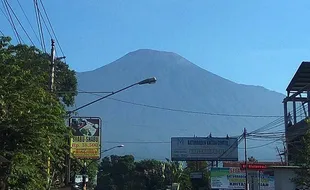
(86, 141)
(204, 148)
(234, 178)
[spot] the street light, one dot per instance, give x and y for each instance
(145, 81)
(119, 146)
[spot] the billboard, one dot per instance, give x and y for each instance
(234, 178)
(86, 141)
(204, 148)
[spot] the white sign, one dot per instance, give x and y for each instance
(196, 175)
(204, 148)
(79, 179)
(233, 178)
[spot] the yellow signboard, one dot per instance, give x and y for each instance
(85, 143)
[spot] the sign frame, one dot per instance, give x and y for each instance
(98, 131)
(204, 149)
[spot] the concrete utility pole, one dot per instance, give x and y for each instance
(245, 161)
(51, 88)
(52, 67)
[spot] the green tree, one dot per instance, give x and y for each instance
(199, 166)
(31, 117)
(38, 63)
(123, 173)
(91, 170)
(149, 174)
(302, 159)
(116, 172)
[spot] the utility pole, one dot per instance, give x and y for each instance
(52, 67)
(245, 160)
(280, 155)
(51, 88)
(68, 161)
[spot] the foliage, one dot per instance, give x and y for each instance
(123, 172)
(199, 166)
(38, 63)
(92, 170)
(303, 160)
(32, 126)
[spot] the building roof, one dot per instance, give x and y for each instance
(237, 164)
(284, 167)
(300, 79)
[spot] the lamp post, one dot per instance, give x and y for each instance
(145, 81)
(151, 80)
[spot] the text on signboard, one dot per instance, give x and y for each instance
(208, 142)
(85, 139)
(206, 151)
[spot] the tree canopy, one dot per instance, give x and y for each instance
(32, 126)
(303, 160)
(124, 172)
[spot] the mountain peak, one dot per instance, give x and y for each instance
(151, 56)
(152, 51)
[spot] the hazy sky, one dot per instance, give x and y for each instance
(252, 42)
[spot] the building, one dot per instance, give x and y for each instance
(261, 176)
(297, 120)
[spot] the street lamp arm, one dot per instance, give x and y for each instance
(145, 81)
(119, 146)
(108, 149)
(103, 97)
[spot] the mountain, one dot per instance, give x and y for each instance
(145, 117)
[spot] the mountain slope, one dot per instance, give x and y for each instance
(181, 85)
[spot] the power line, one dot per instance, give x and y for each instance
(4, 2)
(8, 21)
(239, 139)
(254, 147)
(45, 12)
(186, 111)
(274, 124)
(194, 112)
(28, 19)
(20, 23)
(84, 92)
(280, 134)
(138, 142)
(36, 9)
(45, 25)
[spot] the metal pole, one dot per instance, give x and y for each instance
(145, 81)
(103, 97)
(84, 172)
(68, 160)
(294, 111)
(245, 161)
(280, 155)
(308, 100)
(286, 153)
(259, 180)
